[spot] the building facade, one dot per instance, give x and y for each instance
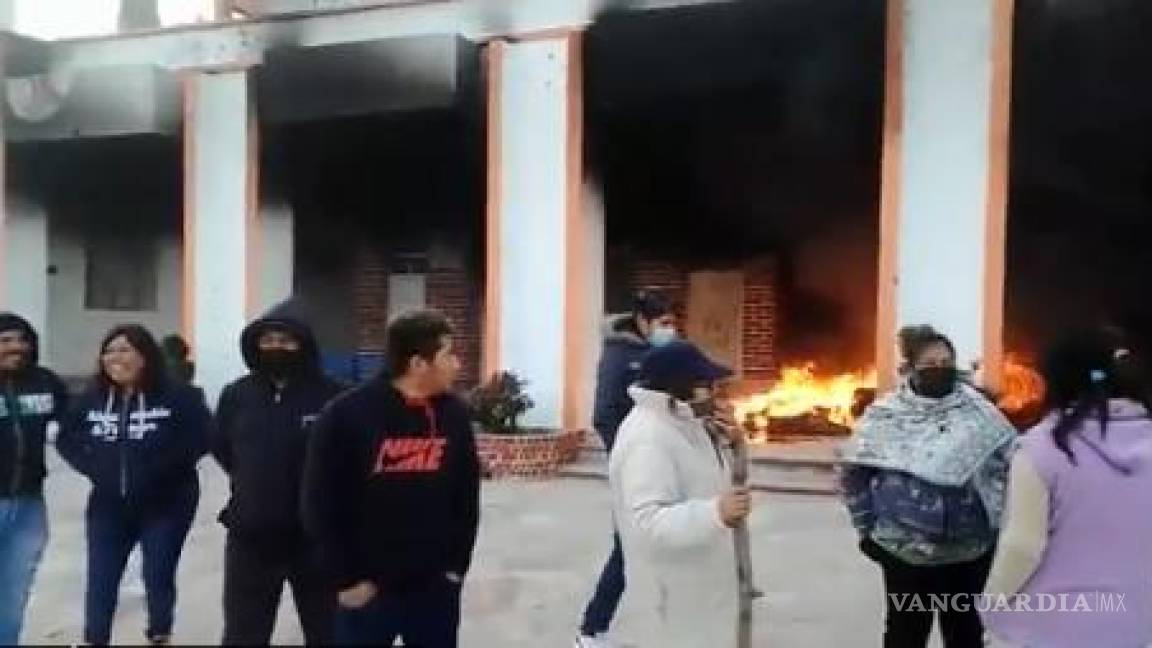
(371, 157)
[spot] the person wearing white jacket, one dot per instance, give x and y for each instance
(675, 505)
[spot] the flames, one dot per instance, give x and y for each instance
(805, 399)
(802, 391)
(1022, 398)
(1023, 386)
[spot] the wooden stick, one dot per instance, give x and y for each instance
(746, 590)
(740, 540)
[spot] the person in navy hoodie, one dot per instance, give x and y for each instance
(137, 437)
(391, 493)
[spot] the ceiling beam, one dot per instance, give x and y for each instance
(243, 42)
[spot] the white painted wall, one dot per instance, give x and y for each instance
(533, 146)
(74, 333)
(594, 273)
(277, 254)
(217, 179)
(25, 261)
(944, 173)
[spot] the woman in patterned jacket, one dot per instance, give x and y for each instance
(924, 479)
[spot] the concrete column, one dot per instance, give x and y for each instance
(24, 258)
(945, 168)
(221, 232)
(541, 292)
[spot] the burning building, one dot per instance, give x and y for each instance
(803, 177)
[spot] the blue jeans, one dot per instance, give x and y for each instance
(427, 616)
(609, 589)
(113, 531)
(23, 534)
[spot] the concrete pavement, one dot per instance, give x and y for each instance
(541, 546)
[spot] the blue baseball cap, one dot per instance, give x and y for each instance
(681, 360)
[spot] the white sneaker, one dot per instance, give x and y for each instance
(599, 641)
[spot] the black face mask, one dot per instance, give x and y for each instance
(280, 363)
(934, 382)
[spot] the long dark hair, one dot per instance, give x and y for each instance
(1083, 371)
(154, 378)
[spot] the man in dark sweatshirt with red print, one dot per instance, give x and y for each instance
(391, 493)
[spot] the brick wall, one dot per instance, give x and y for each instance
(370, 298)
(760, 310)
(760, 320)
(665, 276)
(450, 291)
(455, 294)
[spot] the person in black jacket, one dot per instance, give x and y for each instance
(31, 398)
(137, 437)
(391, 493)
(629, 337)
(262, 422)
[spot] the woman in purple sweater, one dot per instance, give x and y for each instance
(1074, 562)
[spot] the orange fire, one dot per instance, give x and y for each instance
(803, 391)
(800, 391)
(1023, 386)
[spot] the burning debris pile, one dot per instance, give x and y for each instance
(805, 403)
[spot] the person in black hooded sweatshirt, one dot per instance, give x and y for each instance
(31, 397)
(262, 423)
(391, 493)
(138, 438)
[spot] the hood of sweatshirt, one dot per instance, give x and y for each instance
(287, 316)
(621, 329)
(13, 322)
(1126, 444)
